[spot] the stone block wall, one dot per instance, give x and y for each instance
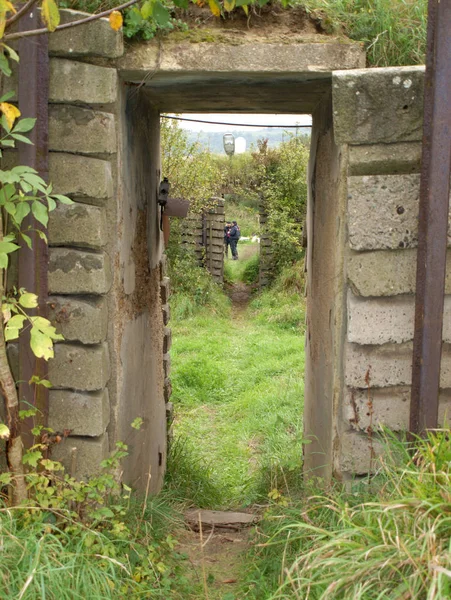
(204, 235)
(378, 123)
(83, 142)
(264, 272)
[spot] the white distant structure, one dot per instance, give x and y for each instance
(240, 145)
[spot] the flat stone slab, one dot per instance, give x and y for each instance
(219, 518)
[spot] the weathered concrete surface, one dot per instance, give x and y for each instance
(85, 368)
(386, 406)
(385, 159)
(82, 320)
(80, 456)
(78, 225)
(358, 453)
(386, 273)
(387, 365)
(80, 176)
(93, 39)
(82, 130)
(74, 82)
(378, 105)
(78, 272)
(85, 414)
(383, 211)
(325, 300)
(172, 57)
(385, 320)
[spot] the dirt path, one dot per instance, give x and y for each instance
(217, 560)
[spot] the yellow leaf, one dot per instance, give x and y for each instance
(246, 9)
(5, 7)
(229, 5)
(51, 14)
(215, 7)
(10, 111)
(115, 20)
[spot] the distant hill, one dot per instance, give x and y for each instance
(213, 139)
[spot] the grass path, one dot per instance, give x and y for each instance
(238, 398)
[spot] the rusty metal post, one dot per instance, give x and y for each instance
(33, 264)
(433, 221)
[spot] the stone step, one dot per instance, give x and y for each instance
(219, 519)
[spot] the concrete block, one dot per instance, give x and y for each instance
(385, 159)
(93, 39)
(167, 390)
(81, 130)
(383, 211)
(386, 406)
(79, 320)
(166, 313)
(79, 225)
(79, 176)
(81, 456)
(387, 272)
(86, 414)
(85, 368)
(387, 365)
(74, 82)
(385, 320)
(378, 105)
(78, 272)
(359, 453)
(166, 365)
(167, 340)
(165, 290)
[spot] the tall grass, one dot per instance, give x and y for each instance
(387, 538)
(393, 31)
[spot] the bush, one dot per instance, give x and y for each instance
(194, 288)
(252, 270)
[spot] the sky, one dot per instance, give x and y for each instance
(264, 120)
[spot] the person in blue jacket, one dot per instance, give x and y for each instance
(234, 236)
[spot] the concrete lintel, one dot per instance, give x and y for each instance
(252, 75)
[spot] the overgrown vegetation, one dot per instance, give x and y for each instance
(393, 31)
(386, 538)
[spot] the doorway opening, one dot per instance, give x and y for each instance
(237, 357)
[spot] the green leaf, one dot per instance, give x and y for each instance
(23, 126)
(137, 423)
(8, 143)
(5, 478)
(22, 210)
(38, 381)
(8, 247)
(3, 261)
(10, 208)
(4, 431)
(14, 56)
(161, 14)
(21, 138)
(28, 300)
(63, 199)
(4, 67)
(40, 212)
(102, 513)
(21, 169)
(32, 458)
(7, 96)
(26, 239)
(42, 235)
(147, 9)
(9, 177)
(50, 14)
(51, 202)
(30, 412)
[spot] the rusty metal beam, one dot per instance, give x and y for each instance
(33, 264)
(433, 221)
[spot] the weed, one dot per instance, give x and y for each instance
(388, 537)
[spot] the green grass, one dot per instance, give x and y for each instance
(386, 537)
(246, 217)
(238, 396)
(393, 31)
(246, 268)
